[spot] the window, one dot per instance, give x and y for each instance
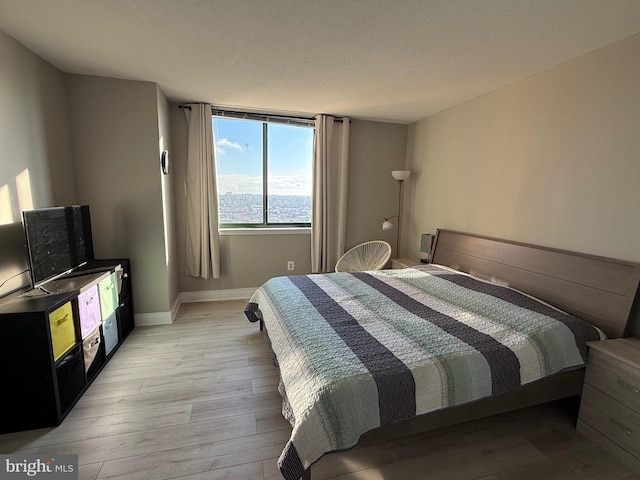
(264, 172)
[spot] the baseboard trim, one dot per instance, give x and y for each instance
(167, 318)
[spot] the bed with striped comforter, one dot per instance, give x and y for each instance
(361, 350)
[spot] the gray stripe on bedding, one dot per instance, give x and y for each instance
(311, 379)
(394, 381)
(548, 336)
(503, 363)
(416, 343)
(575, 325)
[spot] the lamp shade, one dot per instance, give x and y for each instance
(387, 225)
(400, 174)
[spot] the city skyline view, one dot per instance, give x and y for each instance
(248, 208)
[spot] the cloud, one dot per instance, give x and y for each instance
(225, 144)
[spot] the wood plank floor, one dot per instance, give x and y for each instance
(198, 400)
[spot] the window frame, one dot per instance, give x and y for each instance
(265, 120)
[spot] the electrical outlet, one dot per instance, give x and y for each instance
(290, 265)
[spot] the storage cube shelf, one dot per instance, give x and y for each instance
(70, 378)
(55, 344)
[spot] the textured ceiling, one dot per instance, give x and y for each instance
(396, 61)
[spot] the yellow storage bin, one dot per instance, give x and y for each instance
(108, 296)
(63, 333)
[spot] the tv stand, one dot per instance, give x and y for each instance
(35, 292)
(58, 342)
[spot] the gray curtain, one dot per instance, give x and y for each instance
(203, 243)
(330, 179)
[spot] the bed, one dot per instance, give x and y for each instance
(375, 355)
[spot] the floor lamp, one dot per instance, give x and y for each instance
(400, 176)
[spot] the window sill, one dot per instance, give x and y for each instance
(230, 232)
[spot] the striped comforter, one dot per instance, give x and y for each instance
(361, 350)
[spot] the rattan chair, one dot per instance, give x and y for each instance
(372, 255)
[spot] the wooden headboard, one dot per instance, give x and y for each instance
(600, 290)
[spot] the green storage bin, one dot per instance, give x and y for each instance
(108, 296)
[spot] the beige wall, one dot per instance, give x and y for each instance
(249, 260)
(113, 130)
(551, 160)
(115, 143)
(34, 141)
(375, 149)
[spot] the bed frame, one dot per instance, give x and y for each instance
(603, 291)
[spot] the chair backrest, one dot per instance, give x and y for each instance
(371, 255)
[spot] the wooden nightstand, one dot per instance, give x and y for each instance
(404, 262)
(610, 407)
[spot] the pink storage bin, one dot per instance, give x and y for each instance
(89, 308)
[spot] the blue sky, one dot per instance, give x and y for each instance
(239, 157)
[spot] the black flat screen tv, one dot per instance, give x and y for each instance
(58, 239)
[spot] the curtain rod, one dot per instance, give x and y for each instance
(221, 112)
(237, 114)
